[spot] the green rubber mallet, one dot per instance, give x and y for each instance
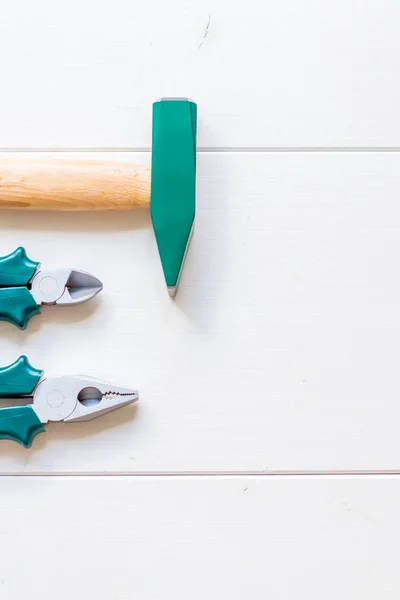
(169, 187)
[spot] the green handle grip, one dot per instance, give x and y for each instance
(20, 424)
(17, 306)
(18, 379)
(16, 268)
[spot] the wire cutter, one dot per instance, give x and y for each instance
(24, 287)
(69, 398)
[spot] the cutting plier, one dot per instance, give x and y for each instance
(69, 398)
(24, 286)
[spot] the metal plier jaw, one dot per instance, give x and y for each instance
(74, 399)
(25, 286)
(64, 286)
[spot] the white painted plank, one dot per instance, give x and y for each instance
(281, 350)
(127, 538)
(281, 74)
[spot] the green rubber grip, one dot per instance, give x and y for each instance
(16, 268)
(20, 424)
(17, 306)
(173, 182)
(18, 379)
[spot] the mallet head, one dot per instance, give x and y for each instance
(173, 183)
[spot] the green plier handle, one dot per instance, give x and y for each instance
(19, 423)
(17, 305)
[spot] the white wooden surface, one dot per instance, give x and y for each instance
(280, 353)
(125, 538)
(270, 74)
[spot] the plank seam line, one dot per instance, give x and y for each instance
(220, 150)
(211, 474)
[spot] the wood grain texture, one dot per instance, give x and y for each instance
(73, 185)
(126, 538)
(280, 74)
(280, 350)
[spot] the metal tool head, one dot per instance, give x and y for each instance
(173, 183)
(64, 286)
(78, 398)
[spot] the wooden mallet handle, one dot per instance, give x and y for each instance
(70, 185)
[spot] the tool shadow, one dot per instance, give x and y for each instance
(62, 315)
(202, 289)
(66, 432)
(76, 221)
